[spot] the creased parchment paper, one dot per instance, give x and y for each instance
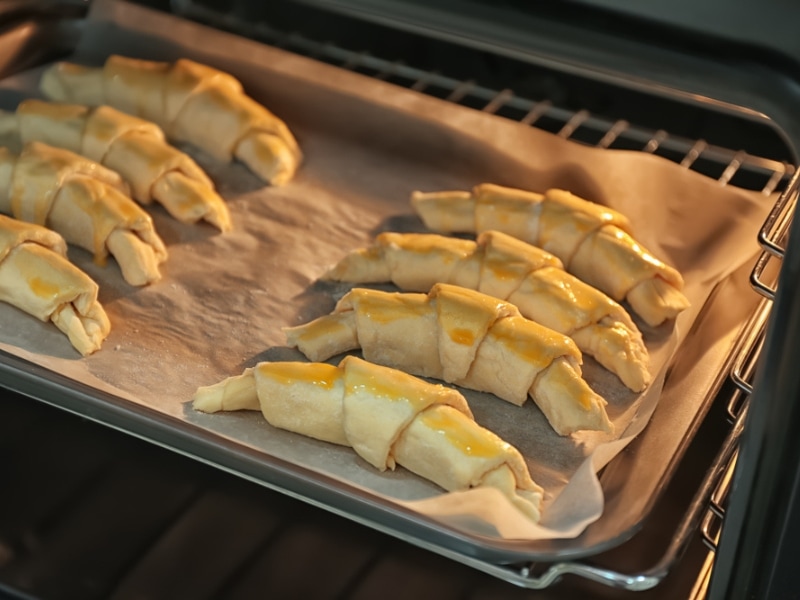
(225, 297)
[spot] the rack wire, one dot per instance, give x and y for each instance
(772, 237)
(725, 164)
(729, 166)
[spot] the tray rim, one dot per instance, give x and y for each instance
(328, 492)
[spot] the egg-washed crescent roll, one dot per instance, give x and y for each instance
(463, 337)
(191, 102)
(85, 203)
(133, 147)
(37, 278)
(507, 268)
(593, 241)
(388, 417)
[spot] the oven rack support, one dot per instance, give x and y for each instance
(772, 238)
(705, 512)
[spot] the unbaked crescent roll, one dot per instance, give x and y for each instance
(507, 268)
(463, 337)
(37, 277)
(134, 148)
(388, 417)
(594, 242)
(85, 203)
(191, 102)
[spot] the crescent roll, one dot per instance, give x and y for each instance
(504, 267)
(388, 417)
(85, 203)
(594, 242)
(37, 278)
(191, 102)
(463, 337)
(133, 147)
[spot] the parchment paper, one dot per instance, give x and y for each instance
(368, 144)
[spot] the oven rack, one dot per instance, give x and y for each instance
(773, 239)
(729, 166)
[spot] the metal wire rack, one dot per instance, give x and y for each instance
(728, 166)
(773, 238)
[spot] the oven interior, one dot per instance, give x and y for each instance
(80, 464)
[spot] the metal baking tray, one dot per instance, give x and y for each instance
(388, 137)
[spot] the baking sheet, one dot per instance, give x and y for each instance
(368, 144)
